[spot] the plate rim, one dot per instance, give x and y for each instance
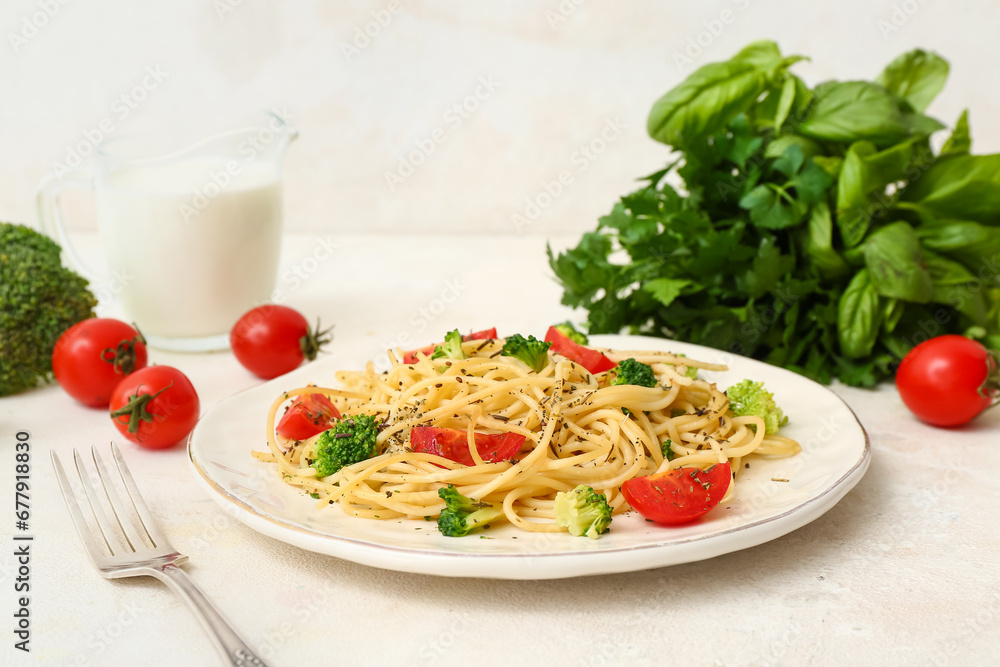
(809, 510)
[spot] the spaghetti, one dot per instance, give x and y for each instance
(578, 429)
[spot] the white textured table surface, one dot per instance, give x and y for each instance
(904, 570)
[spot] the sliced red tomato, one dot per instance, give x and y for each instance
(486, 334)
(678, 496)
(308, 415)
(592, 360)
(453, 444)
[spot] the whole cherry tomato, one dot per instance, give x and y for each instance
(155, 407)
(948, 380)
(271, 340)
(93, 356)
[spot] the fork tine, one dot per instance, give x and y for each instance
(152, 529)
(86, 535)
(125, 522)
(102, 520)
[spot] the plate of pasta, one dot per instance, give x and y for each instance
(517, 438)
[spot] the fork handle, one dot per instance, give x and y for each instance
(234, 650)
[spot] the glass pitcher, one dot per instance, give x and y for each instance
(191, 235)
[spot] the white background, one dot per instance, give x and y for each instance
(563, 71)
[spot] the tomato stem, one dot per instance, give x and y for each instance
(123, 357)
(137, 409)
(314, 340)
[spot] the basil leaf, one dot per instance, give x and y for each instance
(955, 286)
(830, 164)
(891, 314)
(853, 216)
(785, 102)
(707, 99)
(959, 143)
(916, 76)
(780, 145)
(858, 316)
(853, 111)
(819, 243)
(962, 186)
(893, 257)
(969, 242)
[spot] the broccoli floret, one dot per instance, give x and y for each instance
(462, 514)
(668, 453)
(451, 348)
(568, 330)
(39, 300)
(630, 371)
(691, 371)
(750, 398)
(350, 440)
(583, 511)
(530, 350)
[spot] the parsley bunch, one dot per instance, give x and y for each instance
(815, 229)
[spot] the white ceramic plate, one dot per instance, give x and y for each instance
(835, 456)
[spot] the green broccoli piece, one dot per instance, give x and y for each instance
(583, 511)
(39, 300)
(750, 398)
(568, 330)
(691, 371)
(461, 514)
(630, 371)
(668, 453)
(451, 348)
(350, 440)
(530, 350)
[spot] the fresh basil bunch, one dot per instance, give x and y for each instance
(815, 229)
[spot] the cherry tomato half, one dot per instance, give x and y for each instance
(93, 356)
(678, 496)
(948, 380)
(271, 340)
(486, 334)
(453, 444)
(307, 415)
(155, 407)
(592, 360)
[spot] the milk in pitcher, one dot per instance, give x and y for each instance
(203, 231)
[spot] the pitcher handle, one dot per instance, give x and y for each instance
(53, 226)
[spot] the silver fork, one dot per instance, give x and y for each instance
(132, 557)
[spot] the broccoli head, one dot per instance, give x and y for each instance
(39, 300)
(350, 440)
(630, 371)
(530, 350)
(748, 398)
(462, 514)
(583, 511)
(451, 348)
(568, 330)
